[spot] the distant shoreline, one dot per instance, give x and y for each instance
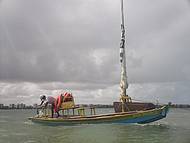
(184, 106)
(180, 106)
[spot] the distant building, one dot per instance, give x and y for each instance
(29, 107)
(20, 106)
(1, 106)
(12, 106)
(5, 107)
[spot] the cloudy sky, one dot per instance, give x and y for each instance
(48, 47)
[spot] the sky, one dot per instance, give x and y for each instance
(49, 47)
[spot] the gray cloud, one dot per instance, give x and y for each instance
(46, 46)
(75, 44)
(64, 41)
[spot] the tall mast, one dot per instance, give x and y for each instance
(123, 82)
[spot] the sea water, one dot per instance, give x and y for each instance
(16, 128)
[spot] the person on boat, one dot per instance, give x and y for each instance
(58, 102)
(48, 100)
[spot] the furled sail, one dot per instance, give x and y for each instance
(123, 82)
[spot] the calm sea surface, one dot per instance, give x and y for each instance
(15, 128)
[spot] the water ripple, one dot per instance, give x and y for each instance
(3, 121)
(28, 123)
(30, 141)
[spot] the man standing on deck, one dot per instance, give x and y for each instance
(49, 100)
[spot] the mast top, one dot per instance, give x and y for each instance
(122, 15)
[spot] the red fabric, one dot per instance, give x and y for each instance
(68, 97)
(57, 103)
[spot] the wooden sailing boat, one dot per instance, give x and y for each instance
(126, 111)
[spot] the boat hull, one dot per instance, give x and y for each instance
(140, 117)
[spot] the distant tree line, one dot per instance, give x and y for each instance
(180, 106)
